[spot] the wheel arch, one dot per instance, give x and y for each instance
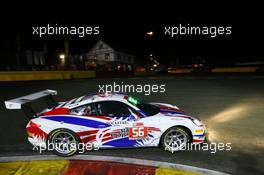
(74, 134)
(57, 129)
(179, 126)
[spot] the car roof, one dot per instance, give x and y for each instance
(105, 96)
(94, 98)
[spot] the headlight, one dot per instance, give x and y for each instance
(197, 122)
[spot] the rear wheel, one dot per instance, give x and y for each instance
(64, 142)
(175, 139)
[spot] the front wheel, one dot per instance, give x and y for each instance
(175, 139)
(64, 142)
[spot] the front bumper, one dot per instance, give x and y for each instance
(200, 135)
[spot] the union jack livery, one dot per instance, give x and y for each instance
(107, 121)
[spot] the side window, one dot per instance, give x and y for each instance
(85, 110)
(112, 108)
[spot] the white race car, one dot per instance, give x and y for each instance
(107, 121)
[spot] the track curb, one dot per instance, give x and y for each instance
(133, 161)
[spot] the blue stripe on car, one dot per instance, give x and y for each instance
(198, 135)
(122, 142)
(78, 121)
(172, 112)
(143, 113)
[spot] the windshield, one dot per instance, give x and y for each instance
(147, 108)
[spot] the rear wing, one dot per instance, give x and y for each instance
(24, 102)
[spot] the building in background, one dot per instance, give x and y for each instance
(35, 60)
(103, 57)
(41, 56)
(21, 56)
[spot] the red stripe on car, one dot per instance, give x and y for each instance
(35, 130)
(83, 133)
(106, 139)
(57, 111)
(89, 139)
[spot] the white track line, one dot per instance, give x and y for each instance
(115, 159)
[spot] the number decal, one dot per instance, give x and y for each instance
(138, 132)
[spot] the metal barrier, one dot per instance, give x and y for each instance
(44, 75)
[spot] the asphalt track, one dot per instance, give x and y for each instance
(231, 106)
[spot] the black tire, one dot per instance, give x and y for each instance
(176, 129)
(56, 149)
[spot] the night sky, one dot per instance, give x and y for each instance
(124, 26)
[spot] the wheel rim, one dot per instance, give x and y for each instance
(64, 142)
(175, 140)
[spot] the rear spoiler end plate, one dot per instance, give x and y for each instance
(24, 101)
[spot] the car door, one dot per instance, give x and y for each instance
(117, 124)
(125, 123)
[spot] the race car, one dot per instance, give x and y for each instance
(112, 120)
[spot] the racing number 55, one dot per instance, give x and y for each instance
(138, 132)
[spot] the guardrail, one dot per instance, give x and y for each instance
(44, 75)
(181, 71)
(145, 73)
(217, 70)
(64, 75)
(235, 69)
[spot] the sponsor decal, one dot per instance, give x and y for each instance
(138, 124)
(199, 130)
(119, 133)
(117, 123)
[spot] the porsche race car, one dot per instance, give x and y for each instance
(113, 120)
